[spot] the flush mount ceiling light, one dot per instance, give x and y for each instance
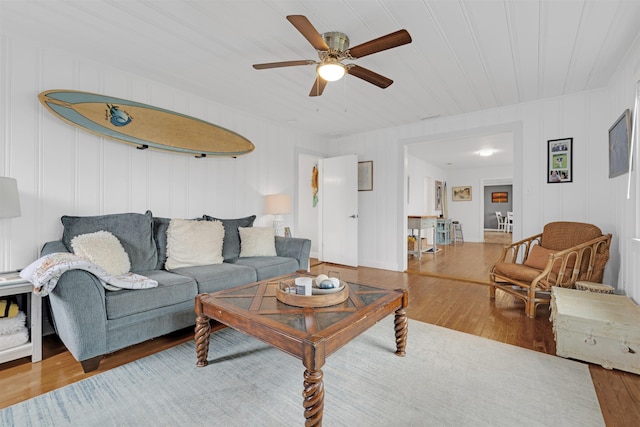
(485, 153)
(331, 70)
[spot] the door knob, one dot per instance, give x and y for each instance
(354, 216)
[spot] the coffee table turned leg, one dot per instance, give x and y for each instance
(401, 326)
(203, 333)
(313, 395)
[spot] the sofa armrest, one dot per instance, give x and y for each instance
(53, 247)
(294, 248)
(79, 312)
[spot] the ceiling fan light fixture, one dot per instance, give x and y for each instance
(331, 70)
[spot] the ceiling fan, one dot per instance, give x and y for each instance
(333, 48)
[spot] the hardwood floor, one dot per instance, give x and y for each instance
(448, 289)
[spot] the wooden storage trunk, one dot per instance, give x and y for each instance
(597, 328)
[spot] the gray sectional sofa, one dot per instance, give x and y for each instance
(92, 321)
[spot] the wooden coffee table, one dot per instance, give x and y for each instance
(310, 334)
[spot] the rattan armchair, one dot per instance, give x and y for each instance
(562, 254)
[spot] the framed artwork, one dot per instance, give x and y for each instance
(559, 160)
(365, 176)
(287, 232)
(461, 194)
(499, 197)
(438, 195)
(619, 138)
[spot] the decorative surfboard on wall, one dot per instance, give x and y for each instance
(143, 125)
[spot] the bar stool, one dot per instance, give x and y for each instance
(457, 232)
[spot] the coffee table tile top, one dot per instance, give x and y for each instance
(261, 299)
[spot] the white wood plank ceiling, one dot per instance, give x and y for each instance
(466, 55)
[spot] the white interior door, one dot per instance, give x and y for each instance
(338, 222)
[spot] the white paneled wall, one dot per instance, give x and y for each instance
(591, 197)
(65, 171)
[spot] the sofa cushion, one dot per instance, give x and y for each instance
(268, 267)
(191, 243)
(103, 249)
(133, 230)
(257, 241)
(212, 278)
(231, 244)
(172, 289)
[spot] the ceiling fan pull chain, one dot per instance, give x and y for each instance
(345, 95)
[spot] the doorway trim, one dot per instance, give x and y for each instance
(488, 182)
(401, 199)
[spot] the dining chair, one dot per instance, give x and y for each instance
(508, 225)
(501, 221)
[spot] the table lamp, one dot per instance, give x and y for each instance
(277, 205)
(9, 199)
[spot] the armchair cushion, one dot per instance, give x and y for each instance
(539, 256)
(562, 235)
(519, 272)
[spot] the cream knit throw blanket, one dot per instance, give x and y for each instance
(45, 272)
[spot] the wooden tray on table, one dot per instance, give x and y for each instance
(285, 292)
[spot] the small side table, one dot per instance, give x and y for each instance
(13, 284)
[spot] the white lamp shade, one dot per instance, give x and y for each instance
(9, 199)
(277, 204)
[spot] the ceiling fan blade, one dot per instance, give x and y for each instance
(282, 64)
(369, 76)
(318, 86)
(309, 32)
(389, 41)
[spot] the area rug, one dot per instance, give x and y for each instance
(448, 378)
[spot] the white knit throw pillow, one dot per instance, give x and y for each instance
(257, 241)
(191, 243)
(103, 249)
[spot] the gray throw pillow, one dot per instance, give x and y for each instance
(160, 226)
(231, 243)
(135, 232)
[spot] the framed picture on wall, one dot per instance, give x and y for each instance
(559, 160)
(365, 176)
(619, 139)
(461, 194)
(499, 197)
(438, 195)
